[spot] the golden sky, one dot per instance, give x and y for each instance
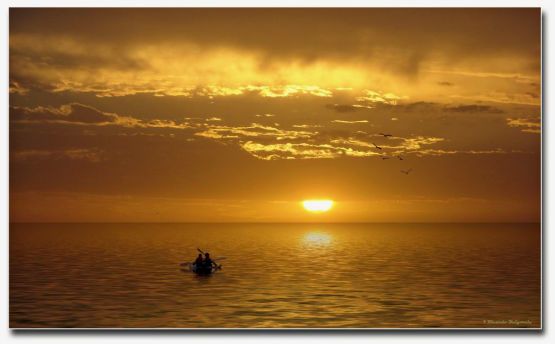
(186, 115)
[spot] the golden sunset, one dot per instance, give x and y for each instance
(316, 167)
(203, 115)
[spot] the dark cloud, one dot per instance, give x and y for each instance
(342, 108)
(398, 40)
(474, 108)
(445, 83)
(73, 112)
(417, 106)
(87, 114)
(350, 28)
(91, 155)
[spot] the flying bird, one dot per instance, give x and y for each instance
(386, 135)
(400, 157)
(406, 171)
(375, 145)
(385, 157)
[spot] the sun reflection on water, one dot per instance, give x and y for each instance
(317, 238)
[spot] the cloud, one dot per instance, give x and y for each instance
(352, 142)
(507, 97)
(415, 143)
(307, 125)
(79, 114)
(90, 155)
(342, 33)
(342, 108)
(156, 123)
(254, 130)
(509, 75)
(70, 113)
(288, 151)
(266, 91)
(15, 87)
(474, 108)
(394, 145)
(445, 83)
(264, 141)
(198, 53)
(165, 70)
(349, 122)
(527, 125)
(374, 97)
(418, 106)
(289, 90)
(439, 152)
(344, 147)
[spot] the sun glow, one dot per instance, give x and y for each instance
(318, 206)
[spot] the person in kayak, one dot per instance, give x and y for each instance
(208, 263)
(199, 261)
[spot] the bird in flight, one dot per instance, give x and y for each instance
(375, 145)
(400, 157)
(385, 157)
(386, 135)
(406, 171)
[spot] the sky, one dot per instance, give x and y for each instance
(238, 115)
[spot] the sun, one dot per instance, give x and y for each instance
(318, 205)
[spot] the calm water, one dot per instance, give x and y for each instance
(369, 275)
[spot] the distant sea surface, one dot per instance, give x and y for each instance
(276, 276)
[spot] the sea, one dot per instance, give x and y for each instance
(275, 276)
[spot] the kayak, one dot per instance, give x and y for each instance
(201, 270)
